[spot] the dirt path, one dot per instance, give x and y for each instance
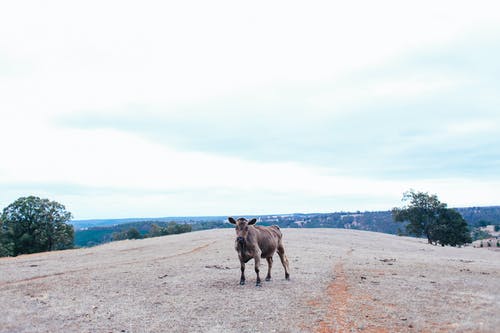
(341, 281)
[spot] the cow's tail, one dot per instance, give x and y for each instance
(279, 230)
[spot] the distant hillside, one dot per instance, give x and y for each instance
(93, 232)
(371, 221)
(84, 224)
(475, 215)
(92, 236)
(380, 221)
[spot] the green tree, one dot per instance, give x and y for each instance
(155, 231)
(119, 235)
(133, 233)
(175, 228)
(451, 229)
(478, 234)
(482, 223)
(421, 213)
(429, 217)
(171, 228)
(31, 225)
(6, 245)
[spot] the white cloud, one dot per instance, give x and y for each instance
(120, 52)
(113, 159)
(298, 67)
(412, 87)
(473, 126)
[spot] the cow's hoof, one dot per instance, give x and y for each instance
(287, 277)
(268, 278)
(242, 283)
(258, 284)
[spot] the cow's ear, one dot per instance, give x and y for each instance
(252, 221)
(231, 220)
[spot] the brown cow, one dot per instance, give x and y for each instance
(255, 242)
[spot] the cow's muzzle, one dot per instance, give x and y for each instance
(240, 240)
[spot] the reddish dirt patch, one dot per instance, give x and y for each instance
(340, 317)
(338, 295)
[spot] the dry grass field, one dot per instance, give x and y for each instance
(341, 281)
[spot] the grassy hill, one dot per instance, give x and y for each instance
(341, 281)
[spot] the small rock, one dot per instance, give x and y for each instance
(388, 260)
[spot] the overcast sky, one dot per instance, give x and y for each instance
(163, 108)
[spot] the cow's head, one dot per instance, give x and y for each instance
(241, 228)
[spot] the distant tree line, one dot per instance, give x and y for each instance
(379, 221)
(155, 231)
(132, 230)
(481, 216)
(31, 224)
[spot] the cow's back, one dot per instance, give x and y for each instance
(268, 239)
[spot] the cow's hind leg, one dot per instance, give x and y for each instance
(269, 266)
(284, 260)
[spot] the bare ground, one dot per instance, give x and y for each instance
(341, 281)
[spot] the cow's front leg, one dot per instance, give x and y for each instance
(242, 279)
(257, 270)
